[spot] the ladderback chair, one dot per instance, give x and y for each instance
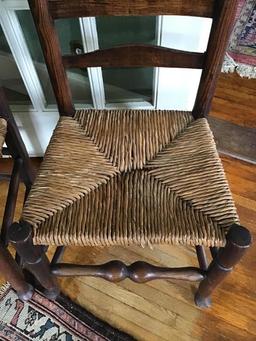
(9, 133)
(123, 177)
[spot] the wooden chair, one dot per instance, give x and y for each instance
(8, 267)
(122, 177)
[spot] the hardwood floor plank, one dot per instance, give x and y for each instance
(164, 310)
(235, 100)
(233, 116)
(234, 140)
(96, 297)
(245, 202)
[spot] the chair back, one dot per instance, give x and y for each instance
(221, 11)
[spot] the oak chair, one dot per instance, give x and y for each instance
(122, 177)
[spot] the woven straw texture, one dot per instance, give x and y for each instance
(130, 177)
(3, 127)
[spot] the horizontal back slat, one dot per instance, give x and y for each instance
(87, 8)
(136, 56)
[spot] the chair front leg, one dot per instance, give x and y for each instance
(33, 257)
(14, 275)
(238, 241)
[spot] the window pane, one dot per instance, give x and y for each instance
(127, 84)
(113, 31)
(71, 43)
(80, 86)
(10, 77)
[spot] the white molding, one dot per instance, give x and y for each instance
(90, 43)
(159, 31)
(36, 129)
(130, 105)
(15, 38)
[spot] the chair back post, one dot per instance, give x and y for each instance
(224, 16)
(14, 142)
(52, 53)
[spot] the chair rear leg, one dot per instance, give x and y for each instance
(14, 275)
(238, 241)
(33, 257)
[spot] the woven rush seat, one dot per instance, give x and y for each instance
(3, 128)
(121, 177)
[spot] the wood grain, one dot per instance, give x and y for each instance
(51, 49)
(234, 140)
(33, 258)
(11, 199)
(14, 275)
(16, 147)
(233, 116)
(224, 15)
(45, 11)
(81, 8)
(235, 100)
(164, 310)
(140, 272)
(136, 56)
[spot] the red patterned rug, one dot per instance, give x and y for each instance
(241, 53)
(41, 319)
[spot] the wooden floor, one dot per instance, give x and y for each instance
(164, 310)
(233, 117)
(235, 100)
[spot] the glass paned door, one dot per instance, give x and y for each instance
(10, 77)
(127, 84)
(71, 43)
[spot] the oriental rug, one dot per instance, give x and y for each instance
(241, 52)
(41, 319)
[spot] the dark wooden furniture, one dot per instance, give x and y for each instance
(16, 149)
(33, 229)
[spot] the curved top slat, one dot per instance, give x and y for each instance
(136, 56)
(82, 8)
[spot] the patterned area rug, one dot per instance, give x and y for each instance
(41, 319)
(241, 53)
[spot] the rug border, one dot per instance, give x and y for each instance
(101, 327)
(239, 56)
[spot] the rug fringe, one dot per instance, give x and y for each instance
(244, 70)
(3, 288)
